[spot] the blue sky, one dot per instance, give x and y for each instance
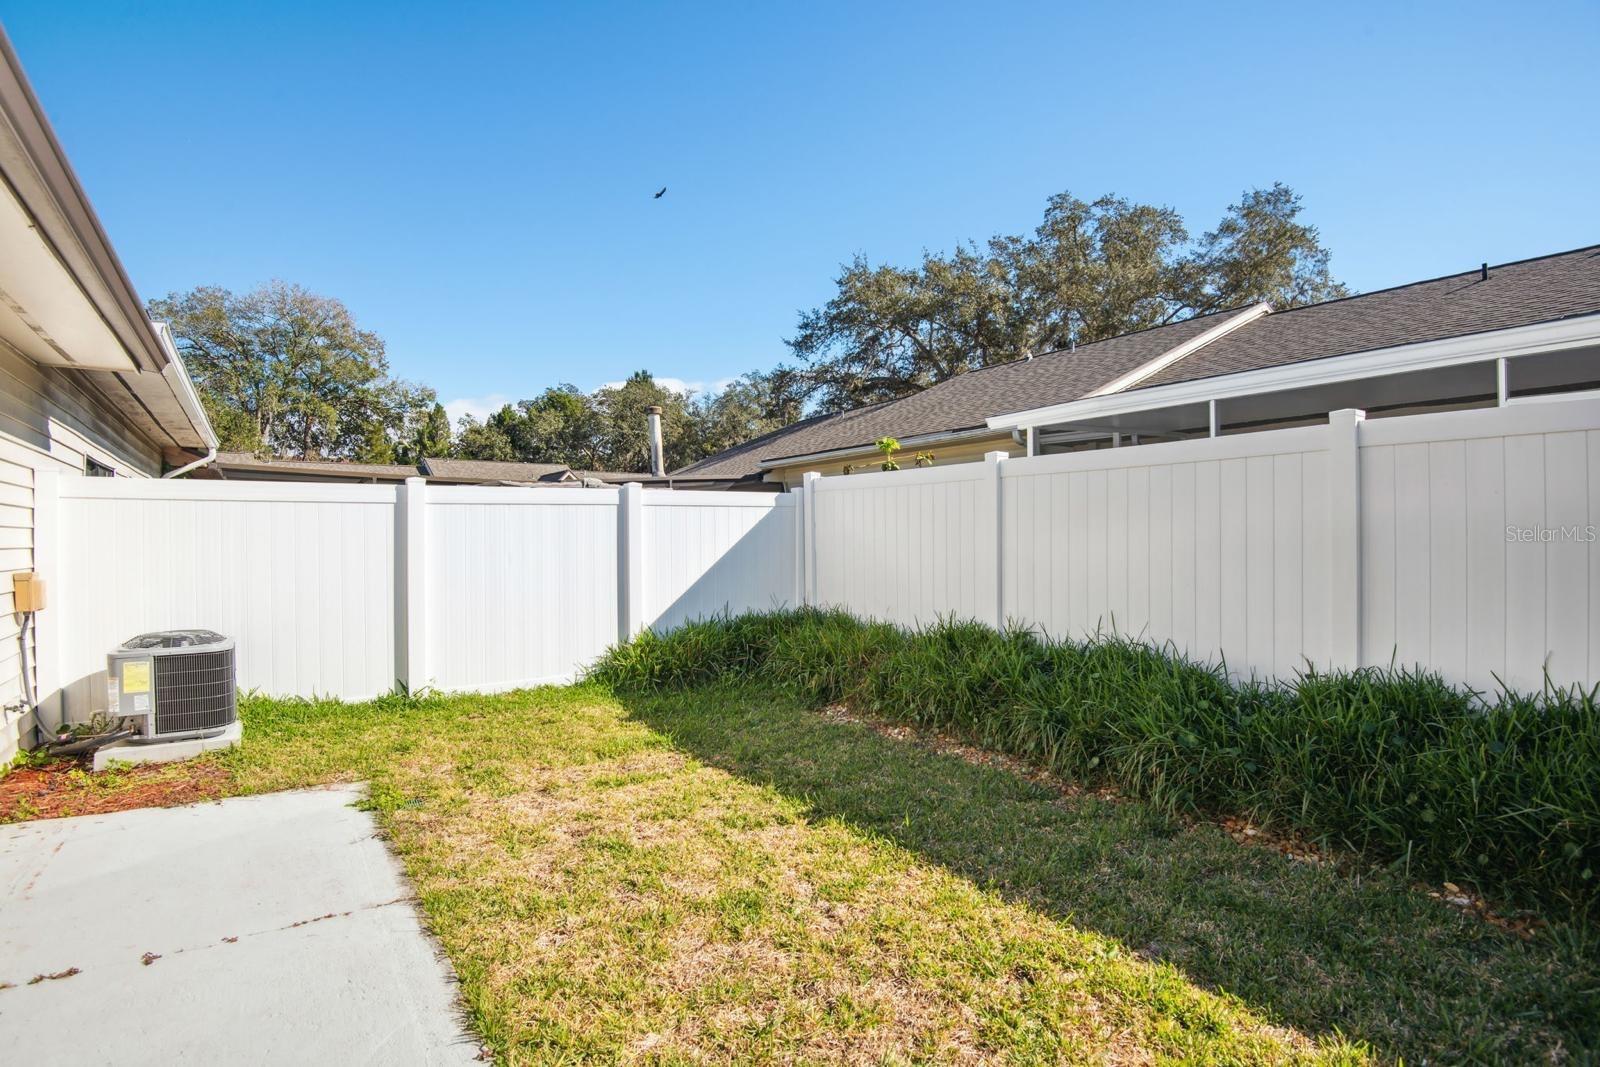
(474, 180)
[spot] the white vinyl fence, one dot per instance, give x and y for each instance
(1465, 542)
(349, 591)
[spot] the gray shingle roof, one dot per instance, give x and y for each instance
(489, 470)
(962, 402)
(494, 470)
(337, 468)
(1515, 294)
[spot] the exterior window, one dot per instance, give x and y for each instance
(93, 468)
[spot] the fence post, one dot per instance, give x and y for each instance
(630, 561)
(47, 564)
(990, 533)
(808, 546)
(1344, 536)
(411, 606)
(798, 597)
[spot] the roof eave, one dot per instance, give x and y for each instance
(1532, 339)
(51, 192)
(935, 437)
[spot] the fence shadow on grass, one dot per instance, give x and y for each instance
(1314, 949)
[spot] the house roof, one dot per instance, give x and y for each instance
(1515, 294)
(69, 303)
(1527, 291)
(247, 463)
(494, 472)
(962, 402)
(489, 470)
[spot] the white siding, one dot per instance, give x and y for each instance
(47, 423)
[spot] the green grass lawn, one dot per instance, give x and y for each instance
(721, 875)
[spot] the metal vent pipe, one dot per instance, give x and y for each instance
(658, 466)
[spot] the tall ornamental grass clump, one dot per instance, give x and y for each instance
(1392, 762)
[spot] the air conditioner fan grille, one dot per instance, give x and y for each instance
(194, 692)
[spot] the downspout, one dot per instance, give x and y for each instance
(211, 454)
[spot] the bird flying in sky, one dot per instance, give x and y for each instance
(662, 193)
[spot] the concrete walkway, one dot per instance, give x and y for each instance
(277, 930)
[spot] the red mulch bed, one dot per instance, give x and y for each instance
(54, 791)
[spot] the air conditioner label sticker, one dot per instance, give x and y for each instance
(136, 677)
(141, 702)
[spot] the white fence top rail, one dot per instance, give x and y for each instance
(958, 472)
(1194, 450)
(1508, 421)
(519, 494)
(181, 489)
(712, 498)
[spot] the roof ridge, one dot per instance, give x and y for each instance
(1099, 341)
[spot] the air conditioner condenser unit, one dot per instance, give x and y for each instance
(174, 683)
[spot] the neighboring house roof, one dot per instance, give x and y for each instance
(488, 470)
(69, 301)
(502, 472)
(963, 402)
(1529, 291)
(616, 477)
(247, 464)
(1545, 289)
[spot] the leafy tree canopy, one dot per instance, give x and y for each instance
(607, 430)
(285, 371)
(1090, 270)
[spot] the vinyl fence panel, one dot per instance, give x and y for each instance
(1479, 542)
(708, 554)
(1464, 542)
(907, 547)
(1213, 546)
(301, 575)
(522, 584)
(350, 591)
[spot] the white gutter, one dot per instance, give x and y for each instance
(870, 450)
(182, 387)
(1399, 359)
(1194, 344)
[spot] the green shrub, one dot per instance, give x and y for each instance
(1392, 762)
